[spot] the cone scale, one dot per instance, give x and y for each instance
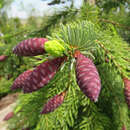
(87, 77)
(30, 47)
(41, 75)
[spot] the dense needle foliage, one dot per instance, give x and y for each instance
(96, 40)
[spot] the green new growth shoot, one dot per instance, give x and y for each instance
(56, 48)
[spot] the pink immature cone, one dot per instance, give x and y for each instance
(3, 58)
(127, 90)
(18, 83)
(8, 116)
(53, 103)
(30, 47)
(26, 129)
(41, 75)
(123, 127)
(87, 77)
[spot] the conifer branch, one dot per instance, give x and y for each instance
(112, 58)
(127, 1)
(24, 119)
(117, 101)
(16, 34)
(127, 59)
(114, 23)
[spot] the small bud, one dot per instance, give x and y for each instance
(77, 52)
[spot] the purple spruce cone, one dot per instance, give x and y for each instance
(41, 75)
(87, 77)
(53, 103)
(30, 47)
(18, 83)
(127, 91)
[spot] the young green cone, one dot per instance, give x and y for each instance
(54, 48)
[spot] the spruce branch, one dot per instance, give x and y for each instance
(46, 29)
(65, 117)
(114, 23)
(127, 1)
(113, 95)
(112, 58)
(14, 35)
(22, 122)
(126, 59)
(79, 35)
